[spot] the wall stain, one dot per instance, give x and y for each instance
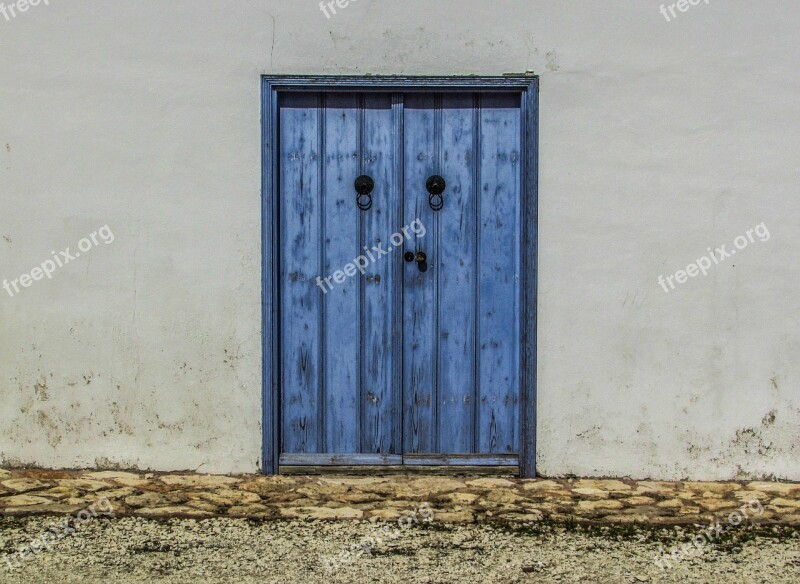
(695, 450)
(40, 388)
(27, 406)
(552, 60)
(124, 427)
(749, 441)
(53, 436)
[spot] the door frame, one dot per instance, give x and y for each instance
(271, 86)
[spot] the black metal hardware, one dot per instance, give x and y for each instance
(364, 186)
(420, 257)
(436, 186)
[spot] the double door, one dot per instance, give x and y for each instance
(399, 278)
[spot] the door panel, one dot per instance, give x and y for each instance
(462, 333)
(339, 341)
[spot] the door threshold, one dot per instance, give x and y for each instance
(369, 470)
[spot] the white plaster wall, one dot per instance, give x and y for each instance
(658, 140)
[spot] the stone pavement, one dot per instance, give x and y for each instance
(453, 499)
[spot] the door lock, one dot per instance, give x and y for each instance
(420, 257)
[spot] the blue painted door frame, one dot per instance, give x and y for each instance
(405, 130)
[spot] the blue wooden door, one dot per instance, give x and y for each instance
(384, 360)
(461, 315)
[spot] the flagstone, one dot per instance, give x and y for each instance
(782, 488)
(24, 501)
(599, 505)
(602, 484)
(202, 481)
(489, 483)
(23, 485)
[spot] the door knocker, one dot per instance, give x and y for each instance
(364, 187)
(436, 186)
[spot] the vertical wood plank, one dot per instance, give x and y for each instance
(499, 257)
(380, 285)
(341, 303)
(419, 292)
(528, 294)
(269, 263)
(300, 262)
(398, 113)
(457, 276)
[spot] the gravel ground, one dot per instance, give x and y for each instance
(227, 550)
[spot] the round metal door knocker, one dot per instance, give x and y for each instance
(364, 187)
(436, 186)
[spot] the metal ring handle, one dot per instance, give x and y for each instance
(436, 186)
(364, 202)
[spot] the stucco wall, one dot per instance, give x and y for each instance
(658, 140)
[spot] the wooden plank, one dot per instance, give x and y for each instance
(528, 295)
(300, 247)
(498, 303)
(419, 288)
(372, 470)
(398, 110)
(416, 84)
(457, 276)
(379, 284)
(339, 459)
(269, 265)
(340, 235)
(462, 459)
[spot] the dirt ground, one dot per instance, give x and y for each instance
(236, 550)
